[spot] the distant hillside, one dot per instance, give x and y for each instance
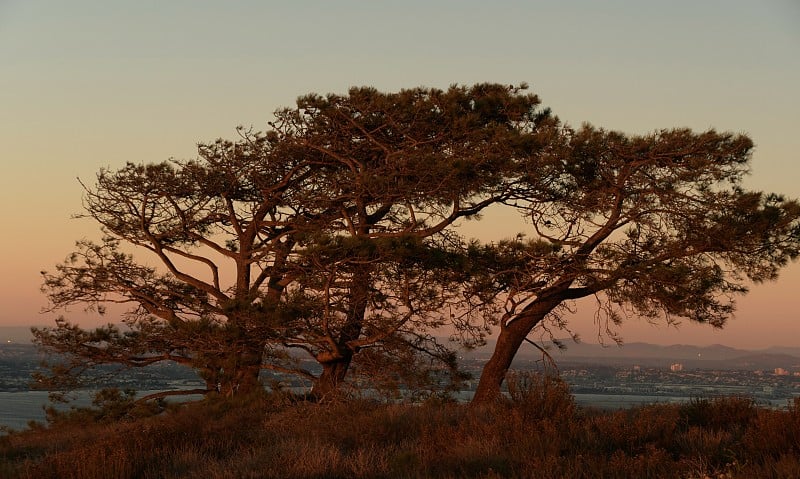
(650, 355)
(716, 356)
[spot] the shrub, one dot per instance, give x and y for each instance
(541, 396)
(722, 413)
(538, 432)
(109, 405)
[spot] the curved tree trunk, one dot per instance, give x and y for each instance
(508, 343)
(494, 372)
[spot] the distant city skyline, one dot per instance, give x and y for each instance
(90, 84)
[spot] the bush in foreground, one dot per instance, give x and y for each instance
(539, 432)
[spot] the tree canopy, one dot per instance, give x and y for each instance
(655, 226)
(332, 237)
(322, 235)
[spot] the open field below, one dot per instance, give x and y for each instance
(540, 432)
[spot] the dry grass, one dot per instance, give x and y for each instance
(538, 433)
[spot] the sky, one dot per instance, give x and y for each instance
(86, 85)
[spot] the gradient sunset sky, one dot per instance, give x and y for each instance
(93, 84)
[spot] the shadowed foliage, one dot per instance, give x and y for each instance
(654, 226)
(332, 238)
(328, 235)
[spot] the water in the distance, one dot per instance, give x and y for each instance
(19, 408)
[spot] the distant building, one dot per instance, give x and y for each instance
(781, 372)
(677, 367)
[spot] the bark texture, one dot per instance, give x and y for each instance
(509, 341)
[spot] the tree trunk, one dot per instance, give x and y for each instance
(333, 375)
(237, 372)
(508, 343)
(245, 380)
(334, 370)
(494, 372)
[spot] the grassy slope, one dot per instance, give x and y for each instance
(539, 434)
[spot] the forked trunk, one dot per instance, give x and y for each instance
(333, 375)
(334, 369)
(236, 373)
(245, 380)
(245, 375)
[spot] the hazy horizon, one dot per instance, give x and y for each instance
(90, 85)
(22, 335)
